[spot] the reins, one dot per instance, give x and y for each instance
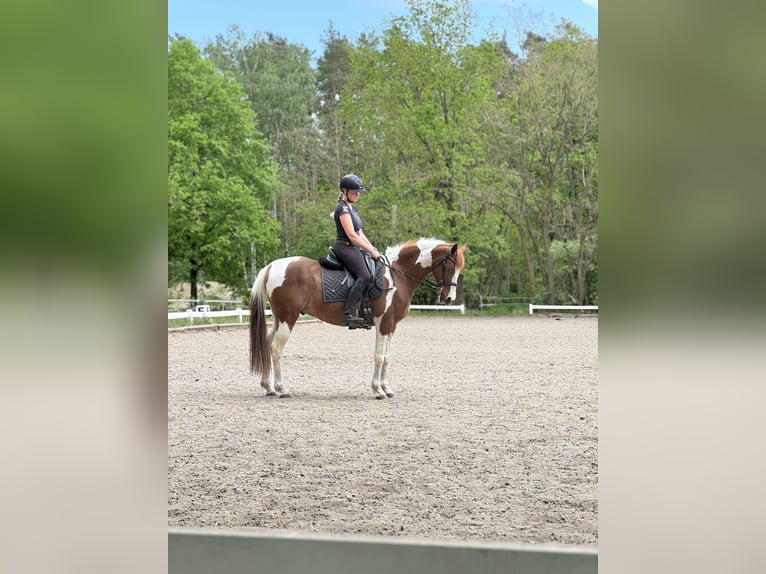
(437, 287)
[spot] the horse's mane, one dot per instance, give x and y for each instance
(424, 244)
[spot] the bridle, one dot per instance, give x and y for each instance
(437, 287)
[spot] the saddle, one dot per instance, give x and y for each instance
(336, 282)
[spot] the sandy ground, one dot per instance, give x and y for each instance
(492, 433)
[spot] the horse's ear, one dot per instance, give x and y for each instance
(454, 249)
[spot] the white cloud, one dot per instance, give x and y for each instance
(593, 3)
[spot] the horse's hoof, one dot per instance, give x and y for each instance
(271, 394)
(285, 396)
(390, 395)
(379, 397)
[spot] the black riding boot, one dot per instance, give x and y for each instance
(354, 294)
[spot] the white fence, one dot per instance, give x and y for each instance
(532, 307)
(219, 304)
(203, 312)
(202, 551)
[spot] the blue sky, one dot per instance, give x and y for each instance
(305, 21)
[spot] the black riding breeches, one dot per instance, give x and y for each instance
(352, 259)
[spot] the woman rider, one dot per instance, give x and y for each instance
(349, 240)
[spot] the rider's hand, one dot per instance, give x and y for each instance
(375, 254)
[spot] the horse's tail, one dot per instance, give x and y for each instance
(260, 347)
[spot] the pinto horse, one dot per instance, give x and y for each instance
(293, 285)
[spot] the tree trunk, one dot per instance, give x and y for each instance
(581, 273)
(193, 275)
(550, 278)
(546, 223)
(530, 264)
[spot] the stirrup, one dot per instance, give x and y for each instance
(351, 322)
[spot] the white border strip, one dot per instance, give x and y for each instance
(241, 313)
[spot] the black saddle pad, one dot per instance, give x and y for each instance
(336, 283)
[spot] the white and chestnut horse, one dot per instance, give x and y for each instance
(293, 285)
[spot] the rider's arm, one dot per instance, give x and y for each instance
(359, 239)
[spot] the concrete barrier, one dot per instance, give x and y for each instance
(260, 551)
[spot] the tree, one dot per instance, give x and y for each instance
(561, 103)
(281, 87)
(333, 73)
(548, 140)
(277, 78)
(219, 174)
(415, 108)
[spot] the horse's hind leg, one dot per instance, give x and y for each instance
(267, 380)
(281, 335)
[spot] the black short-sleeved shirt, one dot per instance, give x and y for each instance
(340, 209)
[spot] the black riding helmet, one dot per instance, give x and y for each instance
(351, 182)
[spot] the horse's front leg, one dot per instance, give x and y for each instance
(384, 368)
(380, 389)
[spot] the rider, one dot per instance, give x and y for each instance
(349, 240)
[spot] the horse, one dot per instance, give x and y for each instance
(293, 286)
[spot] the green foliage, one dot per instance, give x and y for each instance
(317, 229)
(567, 260)
(281, 87)
(429, 85)
(219, 173)
(277, 78)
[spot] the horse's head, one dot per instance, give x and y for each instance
(447, 264)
